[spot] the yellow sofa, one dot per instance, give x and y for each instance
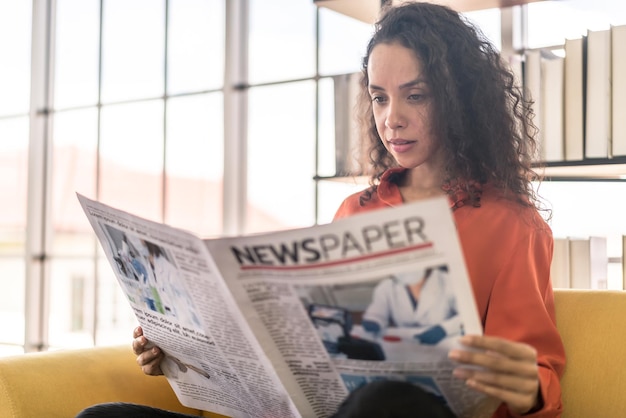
(61, 383)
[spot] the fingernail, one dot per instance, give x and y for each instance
(454, 354)
(471, 383)
(460, 373)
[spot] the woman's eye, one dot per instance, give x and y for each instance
(416, 97)
(378, 99)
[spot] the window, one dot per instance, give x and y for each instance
(15, 39)
(135, 121)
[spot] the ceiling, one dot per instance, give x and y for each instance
(367, 10)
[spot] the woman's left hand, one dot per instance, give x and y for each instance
(507, 371)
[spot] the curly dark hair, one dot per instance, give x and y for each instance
(480, 115)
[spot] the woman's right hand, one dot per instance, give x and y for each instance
(149, 356)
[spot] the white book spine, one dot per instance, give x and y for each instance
(618, 107)
(552, 89)
(574, 103)
(560, 267)
(598, 106)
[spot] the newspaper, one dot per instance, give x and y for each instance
(286, 324)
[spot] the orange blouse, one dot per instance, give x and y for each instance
(508, 251)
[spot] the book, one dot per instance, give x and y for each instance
(560, 267)
(274, 324)
(618, 97)
(552, 106)
(598, 104)
(574, 96)
(588, 262)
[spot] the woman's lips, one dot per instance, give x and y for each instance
(401, 145)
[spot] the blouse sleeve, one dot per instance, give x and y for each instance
(348, 207)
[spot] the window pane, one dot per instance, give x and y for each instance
(196, 45)
(195, 163)
(13, 183)
(133, 49)
(77, 48)
(73, 171)
(342, 42)
(326, 128)
(489, 22)
(15, 38)
(131, 152)
(11, 350)
(333, 192)
(281, 162)
(282, 40)
(12, 303)
(71, 303)
(550, 23)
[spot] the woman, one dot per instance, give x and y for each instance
(444, 117)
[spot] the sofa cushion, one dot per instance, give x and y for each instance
(591, 323)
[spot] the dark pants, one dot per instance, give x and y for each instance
(127, 410)
(383, 399)
(392, 399)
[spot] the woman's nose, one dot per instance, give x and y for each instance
(395, 118)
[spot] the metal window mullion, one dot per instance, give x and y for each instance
(523, 26)
(506, 32)
(316, 198)
(92, 316)
(164, 190)
(235, 116)
(514, 30)
(37, 303)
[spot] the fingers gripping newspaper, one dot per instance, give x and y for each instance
(286, 324)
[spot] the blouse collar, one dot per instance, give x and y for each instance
(389, 192)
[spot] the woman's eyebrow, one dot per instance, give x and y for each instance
(409, 84)
(413, 83)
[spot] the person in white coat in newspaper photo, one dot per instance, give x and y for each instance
(419, 306)
(443, 115)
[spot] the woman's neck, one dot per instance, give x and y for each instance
(420, 183)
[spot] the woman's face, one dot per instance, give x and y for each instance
(402, 106)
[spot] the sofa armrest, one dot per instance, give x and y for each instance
(61, 383)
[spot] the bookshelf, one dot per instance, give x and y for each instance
(604, 169)
(609, 168)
